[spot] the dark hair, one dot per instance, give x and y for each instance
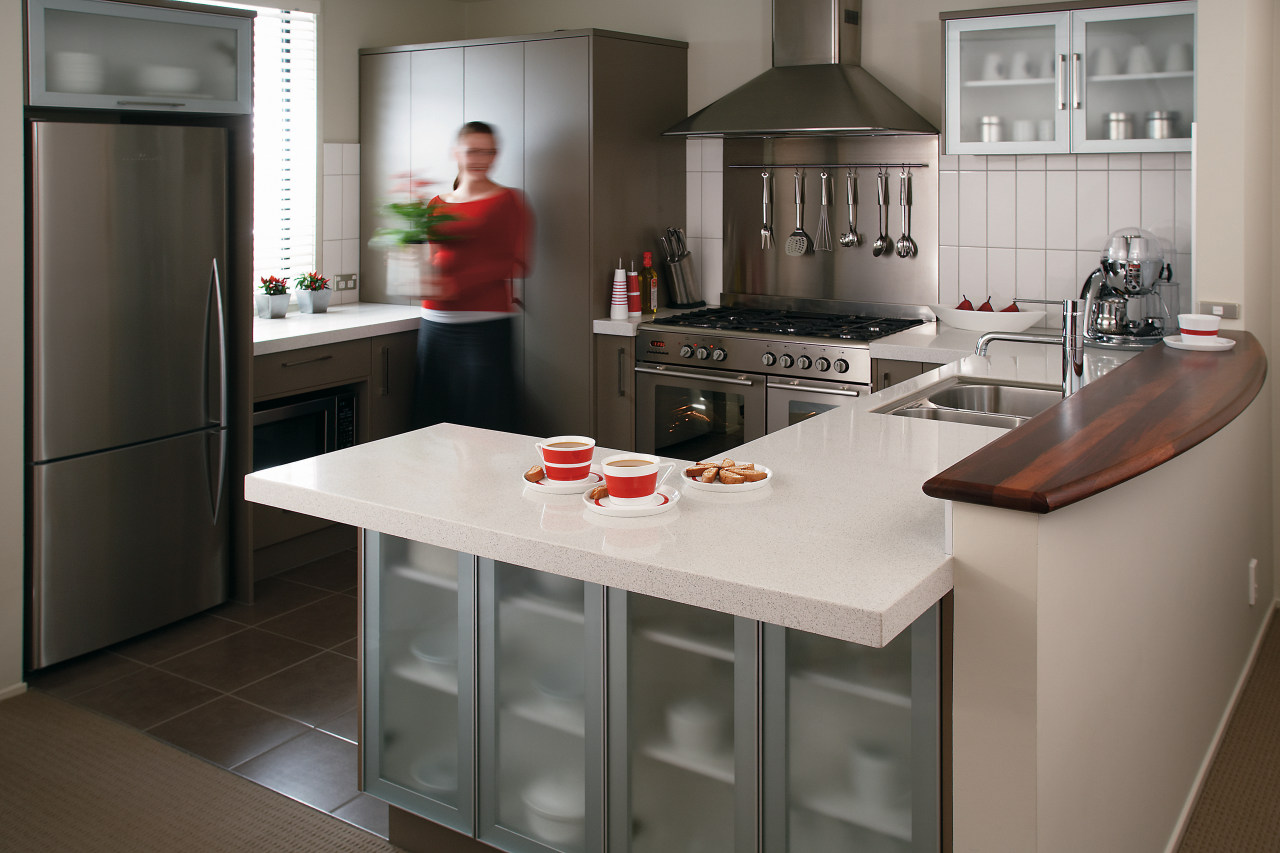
(474, 127)
(477, 127)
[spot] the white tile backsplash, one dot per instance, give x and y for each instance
(332, 158)
(1030, 209)
(1002, 162)
(350, 158)
(1037, 231)
(339, 237)
(350, 208)
(1002, 210)
(713, 214)
(693, 202)
(331, 226)
(712, 270)
(973, 208)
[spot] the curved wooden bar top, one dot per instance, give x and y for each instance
(1136, 417)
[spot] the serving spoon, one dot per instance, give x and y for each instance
(906, 246)
(882, 243)
(851, 237)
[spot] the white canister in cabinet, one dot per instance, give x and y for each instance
(1159, 124)
(1119, 126)
(991, 129)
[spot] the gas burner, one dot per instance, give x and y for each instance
(849, 327)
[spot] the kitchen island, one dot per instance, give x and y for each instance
(1060, 706)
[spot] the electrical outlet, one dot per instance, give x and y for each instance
(1224, 310)
(345, 282)
(1253, 581)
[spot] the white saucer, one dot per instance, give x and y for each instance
(557, 487)
(728, 488)
(665, 498)
(1207, 345)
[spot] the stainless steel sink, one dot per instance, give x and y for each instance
(971, 400)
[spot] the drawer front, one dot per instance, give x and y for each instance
(312, 367)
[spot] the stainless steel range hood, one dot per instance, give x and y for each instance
(816, 86)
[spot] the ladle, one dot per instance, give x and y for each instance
(882, 243)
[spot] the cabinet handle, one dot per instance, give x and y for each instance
(1077, 84)
(151, 103)
(622, 368)
(306, 361)
(385, 391)
(1062, 81)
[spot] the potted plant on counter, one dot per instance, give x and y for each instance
(313, 293)
(409, 243)
(273, 301)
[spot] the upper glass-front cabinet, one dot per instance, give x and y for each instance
(120, 56)
(1094, 80)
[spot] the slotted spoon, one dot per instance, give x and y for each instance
(823, 243)
(798, 243)
(851, 237)
(883, 243)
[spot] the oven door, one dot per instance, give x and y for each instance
(694, 414)
(794, 400)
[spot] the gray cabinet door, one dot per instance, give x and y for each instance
(557, 294)
(495, 94)
(384, 155)
(436, 86)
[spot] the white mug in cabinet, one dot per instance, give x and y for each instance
(993, 67)
(875, 774)
(1140, 60)
(72, 71)
(1020, 65)
(1178, 58)
(1105, 63)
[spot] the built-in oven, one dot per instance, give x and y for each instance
(790, 401)
(302, 426)
(695, 414)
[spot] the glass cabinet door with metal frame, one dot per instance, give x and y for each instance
(541, 701)
(851, 742)
(682, 699)
(418, 737)
(125, 56)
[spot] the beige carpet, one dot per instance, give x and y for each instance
(1239, 808)
(71, 780)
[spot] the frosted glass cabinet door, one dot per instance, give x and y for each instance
(1007, 84)
(418, 738)
(852, 743)
(683, 728)
(1136, 78)
(541, 710)
(122, 56)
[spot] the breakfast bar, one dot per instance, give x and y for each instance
(843, 546)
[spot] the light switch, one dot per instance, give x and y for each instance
(1224, 310)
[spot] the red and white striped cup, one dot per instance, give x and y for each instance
(566, 449)
(1198, 328)
(633, 478)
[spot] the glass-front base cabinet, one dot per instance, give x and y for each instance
(539, 713)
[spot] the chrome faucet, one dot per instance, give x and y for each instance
(1072, 341)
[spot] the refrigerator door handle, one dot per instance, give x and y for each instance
(215, 285)
(215, 494)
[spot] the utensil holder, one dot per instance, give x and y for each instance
(683, 286)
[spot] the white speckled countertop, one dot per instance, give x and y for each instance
(345, 322)
(843, 542)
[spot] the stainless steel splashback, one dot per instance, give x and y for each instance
(843, 275)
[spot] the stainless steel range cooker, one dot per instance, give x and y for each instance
(712, 379)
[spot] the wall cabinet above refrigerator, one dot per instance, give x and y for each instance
(93, 54)
(1113, 79)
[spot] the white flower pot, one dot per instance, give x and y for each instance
(271, 307)
(314, 301)
(410, 273)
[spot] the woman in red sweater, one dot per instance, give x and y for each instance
(466, 371)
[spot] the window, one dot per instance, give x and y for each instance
(284, 141)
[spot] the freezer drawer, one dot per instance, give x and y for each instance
(125, 541)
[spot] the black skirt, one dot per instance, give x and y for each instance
(466, 375)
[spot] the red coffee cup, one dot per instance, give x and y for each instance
(633, 478)
(570, 473)
(566, 449)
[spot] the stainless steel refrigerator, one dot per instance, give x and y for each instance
(128, 493)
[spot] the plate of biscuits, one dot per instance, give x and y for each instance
(727, 476)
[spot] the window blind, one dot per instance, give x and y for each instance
(284, 143)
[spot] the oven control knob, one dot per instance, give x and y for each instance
(824, 364)
(805, 362)
(768, 359)
(842, 366)
(786, 360)
(686, 351)
(702, 353)
(718, 354)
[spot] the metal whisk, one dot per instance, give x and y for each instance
(823, 242)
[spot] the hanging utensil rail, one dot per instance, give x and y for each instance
(876, 165)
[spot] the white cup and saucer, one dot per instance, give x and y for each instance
(1199, 332)
(635, 485)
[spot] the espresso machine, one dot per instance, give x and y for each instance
(1131, 300)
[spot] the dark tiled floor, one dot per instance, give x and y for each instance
(269, 690)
